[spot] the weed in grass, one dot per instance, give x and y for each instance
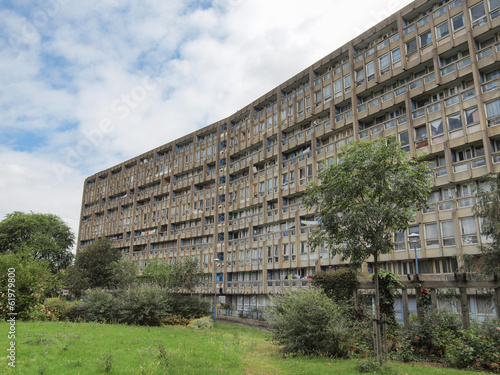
(372, 366)
(42, 370)
(106, 361)
(74, 363)
(163, 356)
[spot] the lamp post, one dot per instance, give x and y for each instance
(217, 260)
(414, 238)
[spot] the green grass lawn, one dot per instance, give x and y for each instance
(88, 348)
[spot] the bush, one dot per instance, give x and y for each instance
(144, 305)
(189, 305)
(471, 349)
(176, 320)
(428, 339)
(201, 323)
(309, 322)
(53, 310)
(99, 306)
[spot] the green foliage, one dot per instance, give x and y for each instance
(92, 268)
(427, 339)
(123, 273)
(201, 323)
(309, 322)
(52, 309)
(339, 286)
(488, 207)
(38, 236)
(373, 191)
(178, 277)
(33, 282)
(105, 362)
(99, 306)
(188, 305)
(144, 305)
(474, 350)
(388, 284)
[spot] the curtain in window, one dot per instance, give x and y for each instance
(493, 108)
(431, 232)
(447, 228)
(468, 225)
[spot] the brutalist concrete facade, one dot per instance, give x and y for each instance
(428, 75)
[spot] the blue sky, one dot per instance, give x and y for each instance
(86, 85)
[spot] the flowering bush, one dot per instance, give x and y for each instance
(176, 320)
(201, 323)
(52, 310)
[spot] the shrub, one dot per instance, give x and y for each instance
(309, 322)
(144, 305)
(471, 349)
(53, 309)
(428, 339)
(99, 306)
(201, 323)
(176, 320)
(188, 305)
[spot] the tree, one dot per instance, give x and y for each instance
(372, 192)
(92, 268)
(33, 282)
(41, 236)
(123, 273)
(488, 209)
(179, 276)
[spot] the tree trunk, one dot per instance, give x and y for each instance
(378, 349)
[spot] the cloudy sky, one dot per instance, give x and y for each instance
(87, 85)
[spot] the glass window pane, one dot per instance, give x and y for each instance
(442, 30)
(454, 122)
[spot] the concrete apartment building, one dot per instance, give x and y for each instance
(233, 190)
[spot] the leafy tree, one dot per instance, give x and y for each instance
(373, 191)
(488, 208)
(92, 267)
(123, 273)
(179, 276)
(33, 282)
(41, 236)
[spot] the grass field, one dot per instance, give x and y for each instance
(89, 348)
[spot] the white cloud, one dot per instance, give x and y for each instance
(90, 62)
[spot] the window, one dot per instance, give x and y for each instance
(471, 116)
(425, 39)
(420, 134)
(337, 87)
(317, 97)
(436, 127)
(359, 76)
(308, 104)
(478, 15)
(399, 241)
(442, 30)
(457, 22)
(454, 122)
(327, 91)
(469, 230)
(493, 112)
(370, 71)
(405, 141)
(384, 63)
(411, 46)
(396, 55)
(448, 233)
(494, 4)
(347, 81)
(300, 108)
(431, 235)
